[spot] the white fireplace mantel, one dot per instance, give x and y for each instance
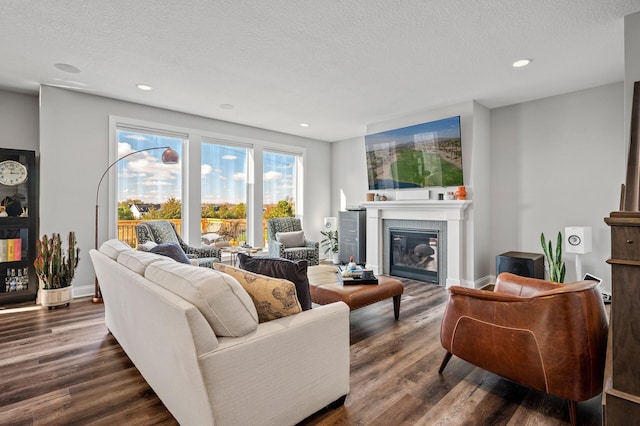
(453, 212)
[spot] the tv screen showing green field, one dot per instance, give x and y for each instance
(420, 156)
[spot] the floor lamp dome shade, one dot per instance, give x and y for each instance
(169, 156)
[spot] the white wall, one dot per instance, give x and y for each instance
(631, 66)
(557, 162)
(18, 121)
(74, 147)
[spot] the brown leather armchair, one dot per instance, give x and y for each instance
(547, 336)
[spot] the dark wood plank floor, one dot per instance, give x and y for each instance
(61, 367)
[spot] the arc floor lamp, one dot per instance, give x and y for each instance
(169, 156)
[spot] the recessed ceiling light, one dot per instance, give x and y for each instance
(144, 87)
(521, 63)
(67, 68)
(227, 106)
(304, 124)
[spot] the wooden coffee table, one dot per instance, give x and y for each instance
(326, 288)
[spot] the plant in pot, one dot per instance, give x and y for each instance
(56, 268)
(557, 267)
(330, 243)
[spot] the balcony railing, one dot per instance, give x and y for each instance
(226, 228)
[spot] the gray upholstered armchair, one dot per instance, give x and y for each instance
(287, 240)
(163, 231)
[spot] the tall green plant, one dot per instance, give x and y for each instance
(53, 267)
(330, 241)
(557, 267)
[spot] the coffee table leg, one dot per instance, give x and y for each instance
(396, 306)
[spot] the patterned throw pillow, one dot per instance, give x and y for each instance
(274, 298)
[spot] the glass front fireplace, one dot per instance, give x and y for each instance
(414, 254)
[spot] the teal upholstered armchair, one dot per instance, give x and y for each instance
(287, 240)
(163, 231)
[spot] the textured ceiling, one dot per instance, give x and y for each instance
(336, 64)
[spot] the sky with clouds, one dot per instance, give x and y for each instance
(143, 176)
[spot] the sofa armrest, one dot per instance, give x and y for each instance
(290, 368)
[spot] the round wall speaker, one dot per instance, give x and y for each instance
(577, 239)
(330, 224)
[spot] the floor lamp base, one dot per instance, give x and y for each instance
(97, 300)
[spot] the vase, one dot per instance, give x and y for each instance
(461, 193)
(55, 297)
(336, 258)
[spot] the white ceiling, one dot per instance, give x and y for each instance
(335, 64)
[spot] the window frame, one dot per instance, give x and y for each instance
(191, 173)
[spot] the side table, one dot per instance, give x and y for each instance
(233, 252)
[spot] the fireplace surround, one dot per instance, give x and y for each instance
(447, 215)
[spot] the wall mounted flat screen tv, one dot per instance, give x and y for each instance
(419, 156)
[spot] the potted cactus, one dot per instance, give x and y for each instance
(55, 268)
(557, 267)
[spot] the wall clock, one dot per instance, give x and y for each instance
(12, 172)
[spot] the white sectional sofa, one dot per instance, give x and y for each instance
(273, 373)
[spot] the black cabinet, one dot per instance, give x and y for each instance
(18, 225)
(352, 236)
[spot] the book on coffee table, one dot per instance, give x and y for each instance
(356, 276)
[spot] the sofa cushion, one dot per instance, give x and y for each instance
(137, 261)
(223, 302)
(294, 271)
(291, 239)
(273, 297)
(172, 250)
(113, 248)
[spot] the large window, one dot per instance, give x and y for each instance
(224, 190)
(146, 187)
(280, 184)
(226, 203)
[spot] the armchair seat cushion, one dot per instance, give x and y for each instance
(208, 262)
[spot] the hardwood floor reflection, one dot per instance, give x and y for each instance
(61, 367)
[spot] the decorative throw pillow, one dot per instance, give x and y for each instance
(147, 246)
(273, 297)
(294, 271)
(291, 239)
(171, 250)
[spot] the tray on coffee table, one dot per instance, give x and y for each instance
(355, 278)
